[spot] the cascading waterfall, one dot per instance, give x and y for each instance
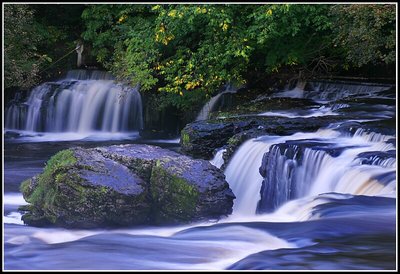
(325, 199)
(210, 105)
(243, 176)
(85, 101)
(326, 90)
(15, 116)
(300, 165)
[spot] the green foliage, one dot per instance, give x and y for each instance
(21, 59)
(185, 138)
(289, 35)
(26, 188)
(367, 33)
(193, 49)
(187, 50)
(35, 36)
(58, 28)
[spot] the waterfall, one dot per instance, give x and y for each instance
(15, 116)
(328, 91)
(218, 159)
(81, 74)
(286, 178)
(267, 172)
(243, 176)
(210, 105)
(85, 101)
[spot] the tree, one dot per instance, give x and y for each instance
(35, 38)
(21, 58)
(367, 33)
(181, 50)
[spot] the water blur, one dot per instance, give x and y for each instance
(323, 200)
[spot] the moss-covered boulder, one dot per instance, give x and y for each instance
(125, 185)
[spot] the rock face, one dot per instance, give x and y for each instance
(125, 185)
(201, 138)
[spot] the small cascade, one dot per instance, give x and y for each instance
(86, 101)
(296, 92)
(211, 105)
(80, 74)
(331, 91)
(15, 116)
(286, 176)
(339, 106)
(306, 113)
(371, 136)
(243, 176)
(327, 90)
(377, 158)
(367, 180)
(218, 159)
(287, 168)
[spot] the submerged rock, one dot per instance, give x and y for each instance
(125, 185)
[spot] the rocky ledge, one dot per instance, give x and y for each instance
(125, 185)
(200, 139)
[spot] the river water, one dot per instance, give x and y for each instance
(324, 200)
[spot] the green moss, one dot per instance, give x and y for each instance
(44, 193)
(103, 190)
(234, 140)
(185, 138)
(25, 188)
(174, 198)
(61, 159)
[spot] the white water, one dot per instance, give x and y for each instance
(220, 247)
(322, 111)
(216, 249)
(218, 161)
(327, 91)
(210, 105)
(191, 246)
(243, 176)
(33, 136)
(289, 180)
(165, 141)
(83, 103)
(13, 199)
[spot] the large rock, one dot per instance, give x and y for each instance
(125, 185)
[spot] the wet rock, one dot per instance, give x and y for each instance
(382, 126)
(200, 139)
(125, 185)
(265, 103)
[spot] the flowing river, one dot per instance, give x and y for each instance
(323, 200)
